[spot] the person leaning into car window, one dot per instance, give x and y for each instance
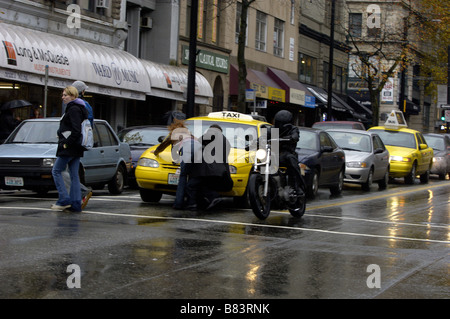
(183, 143)
(69, 151)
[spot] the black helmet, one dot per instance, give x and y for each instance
(281, 118)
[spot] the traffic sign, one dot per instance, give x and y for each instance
(250, 95)
(443, 106)
(447, 115)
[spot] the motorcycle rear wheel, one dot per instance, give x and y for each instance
(298, 210)
(259, 203)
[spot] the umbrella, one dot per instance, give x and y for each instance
(14, 104)
(170, 116)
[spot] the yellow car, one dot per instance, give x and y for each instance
(409, 153)
(157, 175)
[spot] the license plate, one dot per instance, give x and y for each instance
(173, 179)
(13, 181)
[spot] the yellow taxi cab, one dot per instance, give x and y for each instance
(157, 175)
(409, 153)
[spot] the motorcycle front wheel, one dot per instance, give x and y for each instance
(259, 203)
(299, 208)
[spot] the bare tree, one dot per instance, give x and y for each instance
(386, 51)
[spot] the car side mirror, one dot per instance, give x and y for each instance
(378, 150)
(423, 146)
(326, 149)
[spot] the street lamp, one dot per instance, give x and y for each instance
(330, 63)
(192, 60)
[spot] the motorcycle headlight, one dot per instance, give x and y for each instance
(261, 154)
(148, 162)
(438, 159)
(48, 162)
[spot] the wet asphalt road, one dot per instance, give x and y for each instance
(379, 244)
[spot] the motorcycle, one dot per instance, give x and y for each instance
(269, 186)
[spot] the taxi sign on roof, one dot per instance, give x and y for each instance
(230, 116)
(395, 120)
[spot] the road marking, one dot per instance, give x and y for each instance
(373, 197)
(190, 219)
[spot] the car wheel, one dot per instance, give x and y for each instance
(116, 185)
(150, 196)
(366, 186)
(311, 190)
(425, 177)
(409, 179)
(382, 184)
(337, 189)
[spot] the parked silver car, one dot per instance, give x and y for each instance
(366, 157)
(28, 155)
(440, 143)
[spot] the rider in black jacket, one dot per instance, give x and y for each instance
(287, 156)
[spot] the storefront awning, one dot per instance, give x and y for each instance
(170, 82)
(25, 54)
(261, 83)
(322, 98)
(297, 93)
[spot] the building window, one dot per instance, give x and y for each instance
(338, 78)
(202, 20)
(261, 25)
(238, 23)
(278, 38)
(355, 23)
(292, 18)
(215, 21)
(307, 69)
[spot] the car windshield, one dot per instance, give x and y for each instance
(36, 132)
(145, 137)
(396, 138)
(239, 135)
(307, 140)
(351, 141)
(435, 142)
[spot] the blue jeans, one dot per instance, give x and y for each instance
(74, 198)
(182, 181)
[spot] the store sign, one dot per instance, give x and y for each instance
(387, 93)
(310, 101)
(30, 51)
(297, 96)
(261, 91)
(267, 92)
(207, 60)
(277, 94)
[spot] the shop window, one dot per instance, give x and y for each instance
(307, 69)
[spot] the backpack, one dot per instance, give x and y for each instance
(87, 135)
